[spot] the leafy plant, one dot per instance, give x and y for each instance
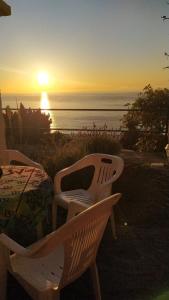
(102, 144)
(147, 121)
(26, 125)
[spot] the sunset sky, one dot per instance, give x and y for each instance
(84, 45)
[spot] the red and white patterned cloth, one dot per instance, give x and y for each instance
(25, 196)
(18, 179)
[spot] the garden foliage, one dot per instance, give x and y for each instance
(147, 121)
(26, 126)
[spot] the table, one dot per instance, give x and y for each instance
(25, 195)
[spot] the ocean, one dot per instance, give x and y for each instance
(76, 119)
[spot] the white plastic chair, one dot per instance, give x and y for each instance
(107, 169)
(52, 263)
(7, 156)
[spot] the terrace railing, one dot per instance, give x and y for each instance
(88, 110)
(76, 130)
(2, 128)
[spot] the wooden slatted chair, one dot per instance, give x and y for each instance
(107, 169)
(9, 155)
(47, 266)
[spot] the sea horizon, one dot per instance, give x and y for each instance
(74, 119)
(71, 92)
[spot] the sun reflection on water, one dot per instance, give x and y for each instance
(44, 102)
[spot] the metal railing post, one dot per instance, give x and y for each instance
(2, 128)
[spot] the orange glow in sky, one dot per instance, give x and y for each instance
(83, 46)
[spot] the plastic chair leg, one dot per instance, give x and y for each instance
(3, 274)
(95, 281)
(113, 225)
(54, 215)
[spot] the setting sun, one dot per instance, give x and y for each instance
(43, 78)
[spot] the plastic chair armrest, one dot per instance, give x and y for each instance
(73, 168)
(21, 157)
(57, 182)
(12, 245)
(32, 251)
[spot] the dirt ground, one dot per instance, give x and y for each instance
(136, 265)
(133, 267)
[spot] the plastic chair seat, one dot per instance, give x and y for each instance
(42, 273)
(64, 198)
(107, 169)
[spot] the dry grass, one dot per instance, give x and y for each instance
(58, 151)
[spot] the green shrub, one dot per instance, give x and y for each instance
(150, 142)
(58, 151)
(57, 157)
(149, 114)
(26, 125)
(102, 144)
(129, 139)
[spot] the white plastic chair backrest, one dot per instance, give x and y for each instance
(108, 169)
(7, 156)
(80, 237)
